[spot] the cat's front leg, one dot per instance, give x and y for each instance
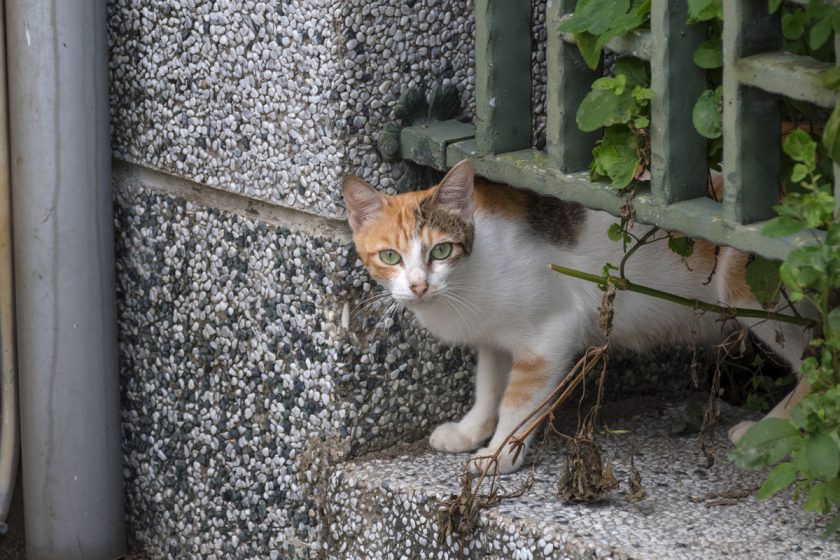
(530, 381)
(478, 424)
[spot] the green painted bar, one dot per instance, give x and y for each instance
(788, 74)
(835, 167)
(637, 43)
(751, 117)
(678, 153)
(569, 80)
(426, 143)
(699, 218)
(503, 75)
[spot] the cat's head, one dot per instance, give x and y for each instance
(411, 242)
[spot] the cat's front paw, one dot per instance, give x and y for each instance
(451, 437)
(482, 461)
(737, 431)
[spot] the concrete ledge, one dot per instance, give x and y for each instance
(386, 508)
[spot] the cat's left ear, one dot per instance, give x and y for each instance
(455, 191)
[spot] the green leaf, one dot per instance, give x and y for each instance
(641, 122)
(817, 499)
(800, 171)
(831, 78)
(709, 54)
(782, 476)
(823, 456)
(707, 116)
(634, 70)
(594, 16)
(589, 48)
(615, 84)
(704, 10)
(831, 134)
(766, 442)
(773, 5)
(834, 321)
(801, 147)
(781, 226)
(764, 280)
(833, 235)
(616, 155)
(793, 24)
(615, 232)
(683, 246)
(602, 107)
(819, 33)
(832, 526)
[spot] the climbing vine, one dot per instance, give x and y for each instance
(619, 103)
(804, 450)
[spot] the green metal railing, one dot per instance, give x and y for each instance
(756, 74)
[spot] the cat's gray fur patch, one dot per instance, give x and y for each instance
(436, 218)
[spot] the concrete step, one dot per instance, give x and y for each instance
(386, 506)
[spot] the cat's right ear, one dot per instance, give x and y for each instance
(363, 201)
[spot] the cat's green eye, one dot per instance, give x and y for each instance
(441, 251)
(389, 256)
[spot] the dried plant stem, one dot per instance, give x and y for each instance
(556, 398)
(624, 284)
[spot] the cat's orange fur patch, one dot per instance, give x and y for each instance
(500, 200)
(392, 229)
(735, 286)
(703, 258)
(526, 378)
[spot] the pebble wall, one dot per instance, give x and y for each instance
(244, 375)
(245, 360)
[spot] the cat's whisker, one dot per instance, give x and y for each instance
(463, 302)
(451, 304)
(369, 303)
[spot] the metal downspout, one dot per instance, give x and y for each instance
(65, 280)
(9, 442)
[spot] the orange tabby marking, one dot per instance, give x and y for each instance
(526, 377)
(734, 273)
(500, 200)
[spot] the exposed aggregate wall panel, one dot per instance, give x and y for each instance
(247, 370)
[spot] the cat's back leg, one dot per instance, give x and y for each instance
(785, 340)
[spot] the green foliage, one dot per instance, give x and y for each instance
(764, 281)
(595, 22)
(683, 246)
(806, 29)
(806, 447)
(617, 233)
(831, 134)
(704, 10)
(616, 156)
(707, 115)
(710, 53)
(620, 104)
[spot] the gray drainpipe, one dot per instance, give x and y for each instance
(64, 279)
(9, 428)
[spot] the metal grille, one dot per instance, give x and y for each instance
(755, 74)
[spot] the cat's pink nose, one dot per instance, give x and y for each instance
(419, 288)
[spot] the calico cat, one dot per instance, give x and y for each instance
(469, 258)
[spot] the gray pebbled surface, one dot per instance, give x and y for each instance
(276, 100)
(387, 508)
(240, 384)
